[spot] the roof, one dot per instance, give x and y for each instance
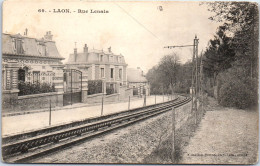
(30, 46)
(93, 56)
(135, 75)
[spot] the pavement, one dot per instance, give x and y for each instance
(31, 120)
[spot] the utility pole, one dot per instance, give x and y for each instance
(196, 41)
(194, 69)
(102, 104)
(50, 114)
(192, 76)
(201, 70)
(129, 103)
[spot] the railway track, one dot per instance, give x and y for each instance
(21, 148)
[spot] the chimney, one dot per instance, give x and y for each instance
(26, 32)
(141, 71)
(85, 48)
(75, 54)
(109, 49)
(48, 36)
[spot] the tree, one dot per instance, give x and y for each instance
(169, 66)
(240, 19)
(169, 75)
(232, 56)
(219, 55)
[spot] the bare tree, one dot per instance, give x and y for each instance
(168, 66)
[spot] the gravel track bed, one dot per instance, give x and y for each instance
(127, 145)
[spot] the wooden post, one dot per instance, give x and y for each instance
(102, 105)
(173, 134)
(129, 103)
(71, 87)
(163, 97)
(144, 100)
(50, 114)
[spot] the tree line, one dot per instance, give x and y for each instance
(230, 61)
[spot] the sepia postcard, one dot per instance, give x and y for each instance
(130, 82)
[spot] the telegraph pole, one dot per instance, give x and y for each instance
(196, 41)
(194, 69)
(201, 70)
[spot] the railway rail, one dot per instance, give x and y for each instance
(44, 141)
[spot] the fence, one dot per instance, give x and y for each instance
(111, 88)
(178, 126)
(36, 77)
(185, 123)
(95, 87)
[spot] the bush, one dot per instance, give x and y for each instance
(237, 89)
(94, 87)
(27, 88)
(109, 91)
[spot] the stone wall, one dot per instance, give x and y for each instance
(34, 102)
(112, 97)
(9, 99)
(129, 92)
(125, 92)
(95, 98)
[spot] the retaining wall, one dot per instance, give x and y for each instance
(34, 102)
(95, 98)
(112, 97)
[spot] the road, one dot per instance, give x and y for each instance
(26, 122)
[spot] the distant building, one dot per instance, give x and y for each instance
(101, 65)
(138, 82)
(28, 59)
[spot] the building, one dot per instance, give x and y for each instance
(137, 81)
(101, 65)
(36, 59)
(31, 60)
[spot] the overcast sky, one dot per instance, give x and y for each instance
(137, 30)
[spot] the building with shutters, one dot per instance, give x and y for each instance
(101, 65)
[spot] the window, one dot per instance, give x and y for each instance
(119, 59)
(36, 76)
(42, 49)
(102, 73)
(18, 46)
(101, 58)
(21, 75)
(43, 67)
(120, 73)
(112, 73)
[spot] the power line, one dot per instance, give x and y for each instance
(170, 47)
(138, 22)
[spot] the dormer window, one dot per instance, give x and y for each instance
(101, 58)
(18, 46)
(119, 59)
(42, 49)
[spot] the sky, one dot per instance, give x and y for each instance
(137, 30)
